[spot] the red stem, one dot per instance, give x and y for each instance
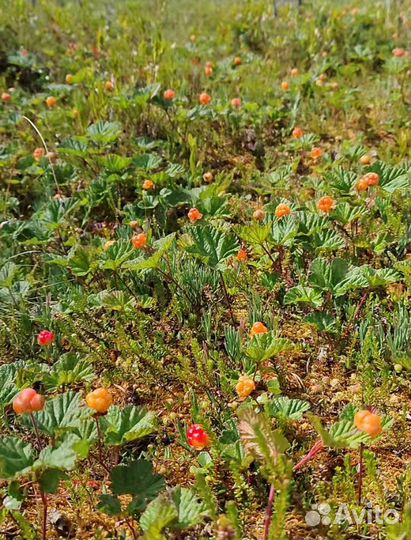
(44, 524)
(116, 455)
(132, 529)
(42, 494)
(269, 511)
(317, 448)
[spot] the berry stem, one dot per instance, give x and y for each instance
(44, 521)
(116, 453)
(360, 473)
(269, 254)
(36, 429)
(227, 299)
(269, 511)
(48, 353)
(123, 281)
(317, 447)
(100, 439)
(132, 529)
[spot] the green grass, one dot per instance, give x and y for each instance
(166, 325)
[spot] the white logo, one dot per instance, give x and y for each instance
(323, 514)
(318, 514)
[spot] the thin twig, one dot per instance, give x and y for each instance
(132, 529)
(44, 521)
(316, 448)
(269, 511)
(227, 298)
(100, 440)
(360, 473)
(36, 430)
(45, 148)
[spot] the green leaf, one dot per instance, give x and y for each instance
(343, 180)
(115, 163)
(9, 273)
(391, 178)
(147, 162)
(61, 414)
(136, 478)
(323, 321)
(284, 231)
(310, 224)
(62, 457)
(354, 279)
(303, 295)
(288, 409)
(266, 346)
(215, 206)
(80, 262)
(16, 458)
(114, 300)
(163, 247)
(381, 277)
(74, 147)
(325, 436)
(86, 431)
(274, 387)
(49, 480)
(259, 439)
(109, 504)
(327, 275)
(121, 426)
(8, 388)
(116, 255)
(255, 234)
(104, 132)
(69, 369)
(212, 246)
(327, 241)
(159, 514)
(176, 197)
(190, 510)
(344, 434)
(175, 170)
(345, 213)
(148, 202)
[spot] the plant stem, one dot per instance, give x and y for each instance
(48, 353)
(36, 129)
(116, 452)
(100, 440)
(269, 255)
(132, 529)
(269, 511)
(36, 430)
(360, 473)
(123, 281)
(227, 298)
(107, 469)
(44, 522)
(317, 447)
(356, 315)
(172, 280)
